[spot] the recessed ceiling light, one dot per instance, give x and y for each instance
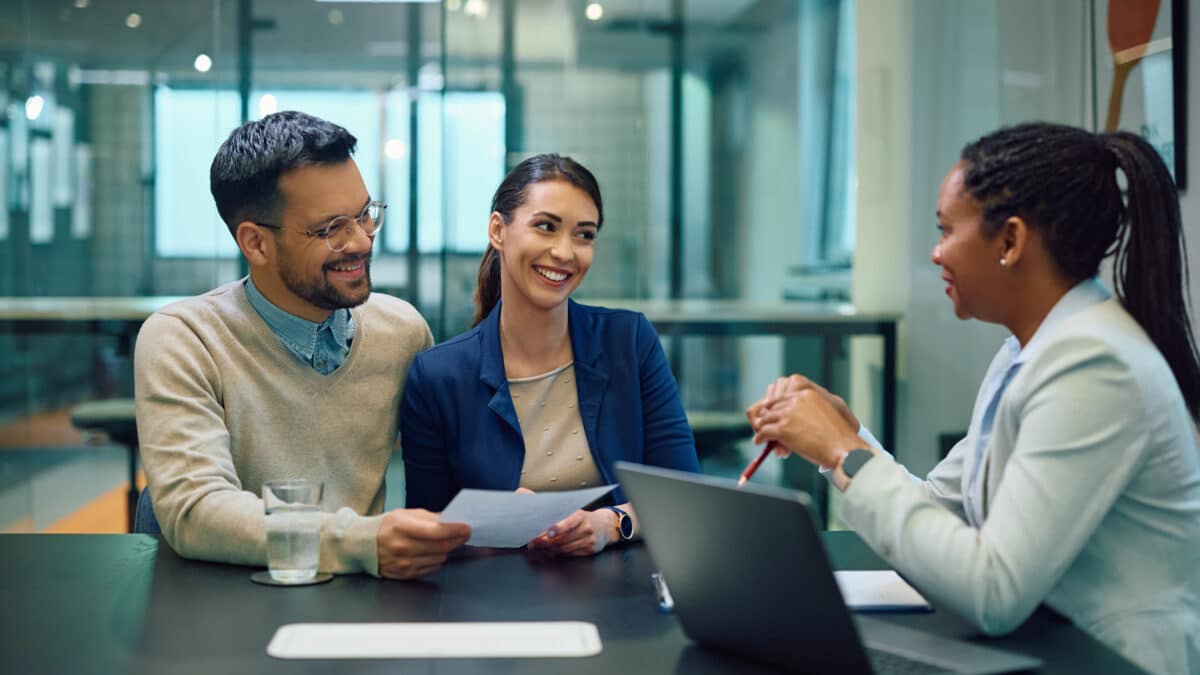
(395, 148)
(203, 63)
(33, 107)
(82, 4)
(594, 11)
(133, 20)
(267, 105)
(476, 8)
(336, 17)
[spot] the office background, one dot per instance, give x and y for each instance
(757, 150)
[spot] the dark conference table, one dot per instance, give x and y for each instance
(128, 604)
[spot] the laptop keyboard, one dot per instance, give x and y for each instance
(887, 663)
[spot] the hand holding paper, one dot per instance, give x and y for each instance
(503, 519)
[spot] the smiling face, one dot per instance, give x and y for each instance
(546, 249)
(311, 279)
(970, 260)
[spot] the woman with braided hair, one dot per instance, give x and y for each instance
(1078, 483)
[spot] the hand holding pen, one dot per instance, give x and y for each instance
(749, 471)
(798, 415)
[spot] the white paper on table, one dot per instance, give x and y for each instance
(515, 639)
(878, 591)
(504, 519)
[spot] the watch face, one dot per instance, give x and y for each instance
(855, 460)
(626, 524)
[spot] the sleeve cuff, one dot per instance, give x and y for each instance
(353, 544)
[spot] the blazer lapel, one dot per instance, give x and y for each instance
(491, 370)
(591, 373)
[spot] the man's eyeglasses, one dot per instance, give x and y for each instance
(336, 233)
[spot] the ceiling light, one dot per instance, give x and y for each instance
(336, 17)
(394, 148)
(203, 63)
(267, 105)
(594, 11)
(133, 20)
(476, 8)
(33, 107)
(82, 4)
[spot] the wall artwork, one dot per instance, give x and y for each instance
(1140, 67)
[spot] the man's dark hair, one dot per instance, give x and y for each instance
(244, 177)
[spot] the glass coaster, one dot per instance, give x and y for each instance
(264, 577)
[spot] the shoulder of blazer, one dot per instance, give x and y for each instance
(450, 357)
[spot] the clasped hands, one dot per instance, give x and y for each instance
(797, 415)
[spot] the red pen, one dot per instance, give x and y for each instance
(756, 463)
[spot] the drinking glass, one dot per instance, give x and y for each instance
(293, 528)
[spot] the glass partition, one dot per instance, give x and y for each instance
(721, 132)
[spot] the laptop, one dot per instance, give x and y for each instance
(748, 574)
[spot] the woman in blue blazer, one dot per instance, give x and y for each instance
(543, 393)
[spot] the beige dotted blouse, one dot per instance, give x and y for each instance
(556, 450)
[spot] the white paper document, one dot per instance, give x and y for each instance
(878, 591)
(516, 639)
(504, 519)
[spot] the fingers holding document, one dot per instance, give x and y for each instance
(580, 534)
(413, 542)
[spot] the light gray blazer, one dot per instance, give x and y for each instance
(1089, 493)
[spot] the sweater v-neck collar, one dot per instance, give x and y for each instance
(285, 355)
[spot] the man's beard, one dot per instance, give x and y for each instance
(320, 293)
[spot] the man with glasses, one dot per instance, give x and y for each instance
(295, 371)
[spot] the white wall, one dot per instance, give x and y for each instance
(934, 75)
(1190, 201)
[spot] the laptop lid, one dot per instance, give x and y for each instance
(739, 580)
(749, 573)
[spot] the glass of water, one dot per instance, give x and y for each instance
(293, 528)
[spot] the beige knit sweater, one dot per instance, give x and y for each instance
(222, 407)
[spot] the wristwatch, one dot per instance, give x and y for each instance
(854, 460)
(624, 523)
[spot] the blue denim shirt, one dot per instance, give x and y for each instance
(323, 346)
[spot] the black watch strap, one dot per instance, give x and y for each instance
(855, 459)
(624, 523)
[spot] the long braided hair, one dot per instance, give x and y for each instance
(1063, 180)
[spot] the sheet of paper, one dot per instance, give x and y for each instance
(878, 591)
(504, 519)
(517, 639)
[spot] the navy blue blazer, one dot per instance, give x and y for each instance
(459, 429)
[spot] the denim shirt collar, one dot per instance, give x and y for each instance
(300, 335)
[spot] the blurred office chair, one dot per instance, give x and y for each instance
(116, 419)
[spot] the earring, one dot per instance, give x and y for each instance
(1003, 262)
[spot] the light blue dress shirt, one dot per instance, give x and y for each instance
(323, 346)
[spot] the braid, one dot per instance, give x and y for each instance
(1063, 181)
(1150, 272)
(1019, 172)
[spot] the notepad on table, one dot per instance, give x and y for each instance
(507, 639)
(879, 591)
